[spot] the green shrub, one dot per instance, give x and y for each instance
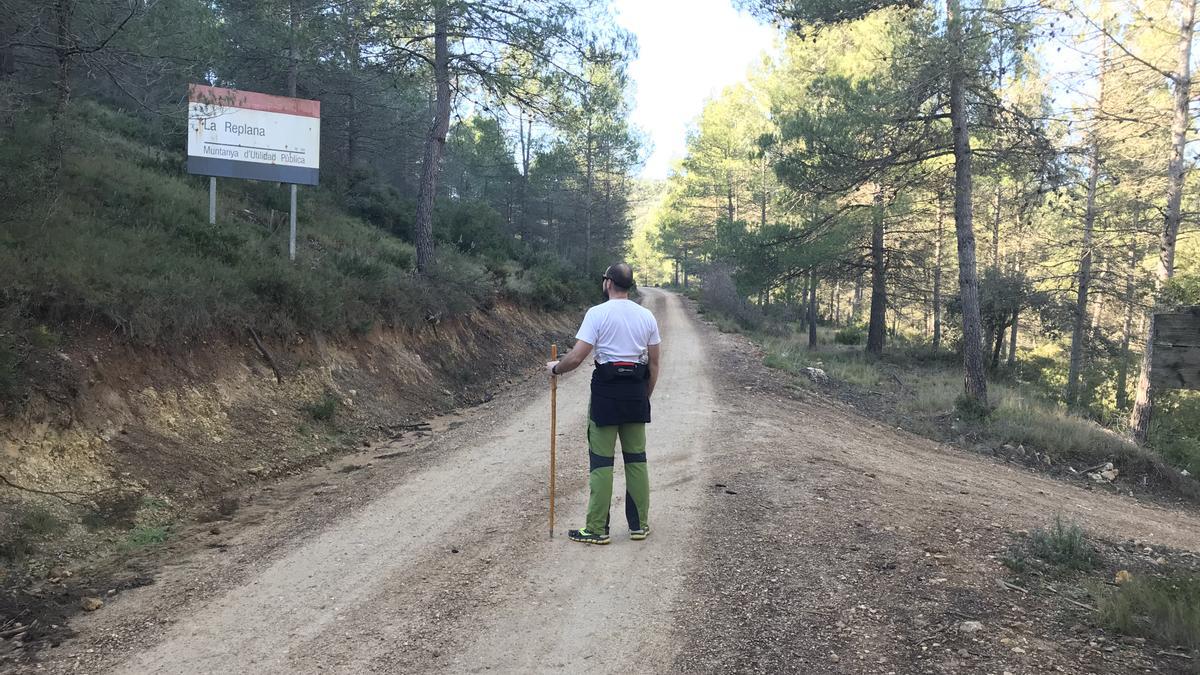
(1165, 609)
(147, 535)
(726, 324)
(13, 384)
(1175, 430)
(22, 526)
(1058, 548)
(39, 521)
(116, 509)
(325, 408)
(720, 295)
(1064, 545)
(850, 335)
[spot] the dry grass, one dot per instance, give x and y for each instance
(1165, 609)
(920, 389)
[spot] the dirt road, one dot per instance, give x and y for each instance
(789, 535)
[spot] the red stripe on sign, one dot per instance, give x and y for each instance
(250, 100)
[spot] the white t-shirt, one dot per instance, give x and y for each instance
(619, 330)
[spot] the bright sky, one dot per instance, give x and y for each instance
(688, 51)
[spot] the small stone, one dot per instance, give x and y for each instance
(970, 627)
(816, 375)
(214, 530)
(57, 574)
(90, 604)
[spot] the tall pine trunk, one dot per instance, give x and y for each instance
(1143, 407)
(877, 327)
(587, 205)
(1079, 328)
(1018, 266)
(975, 379)
(1127, 328)
(64, 53)
(293, 75)
(856, 301)
(812, 309)
(526, 136)
(836, 301)
(435, 144)
(937, 276)
(996, 229)
(353, 118)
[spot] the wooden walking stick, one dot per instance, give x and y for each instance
(553, 433)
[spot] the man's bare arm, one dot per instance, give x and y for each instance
(572, 359)
(653, 352)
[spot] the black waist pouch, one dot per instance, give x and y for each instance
(619, 394)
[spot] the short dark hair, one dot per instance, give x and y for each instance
(621, 274)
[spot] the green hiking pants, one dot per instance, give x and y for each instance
(602, 446)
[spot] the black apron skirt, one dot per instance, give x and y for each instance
(619, 394)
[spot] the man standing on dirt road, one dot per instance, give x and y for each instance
(626, 341)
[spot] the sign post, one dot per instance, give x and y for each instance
(242, 134)
(292, 227)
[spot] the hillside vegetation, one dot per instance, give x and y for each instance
(453, 170)
(118, 240)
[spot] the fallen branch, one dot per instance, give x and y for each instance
(11, 632)
(1095, 468)
(1084, 605)
(262, 349)
(938, 633)
(1014, 587)
(418, 426)
(59, 494)
(1177, 655)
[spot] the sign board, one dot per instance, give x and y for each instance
(242, 134)
(1176, 358)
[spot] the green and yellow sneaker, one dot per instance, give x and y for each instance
(638, 535)
(583, 536)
